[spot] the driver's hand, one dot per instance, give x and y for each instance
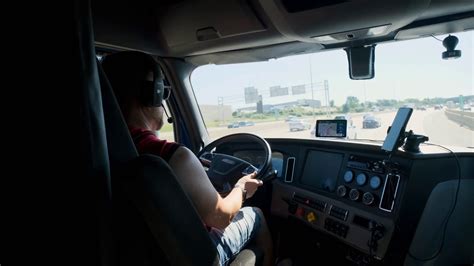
(250, 183)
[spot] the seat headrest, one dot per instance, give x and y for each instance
(120, 144)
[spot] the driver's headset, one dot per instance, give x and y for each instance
(153, 93)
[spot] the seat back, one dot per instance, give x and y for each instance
(156, 221)
(94, 161)
(444, 235)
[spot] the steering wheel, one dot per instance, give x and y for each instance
(225, 170)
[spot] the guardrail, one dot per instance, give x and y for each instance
(465, 119)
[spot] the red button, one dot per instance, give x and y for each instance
(300, 212)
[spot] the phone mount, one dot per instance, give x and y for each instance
(413, 141)
(410, 141)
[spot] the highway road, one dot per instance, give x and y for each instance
(431, 123)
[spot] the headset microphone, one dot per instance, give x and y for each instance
(170, 119)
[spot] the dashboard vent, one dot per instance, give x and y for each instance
(290, 169)
(389, 192)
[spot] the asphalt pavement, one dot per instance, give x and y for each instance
(431, 123)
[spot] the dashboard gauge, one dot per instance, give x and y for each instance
(341, 191)
(375, 182)
(348, 176)
(361, 179)
(368, 198)
(354, 194)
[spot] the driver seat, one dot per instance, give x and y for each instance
(155, 221)
(143, 215)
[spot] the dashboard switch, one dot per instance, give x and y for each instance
(361, 179)
(336, 227)
(338, 212)
(341, 191)
(354, 194)
(300, 212)
(368, 198)
(311, 217)
(375, 182)
(348, 175)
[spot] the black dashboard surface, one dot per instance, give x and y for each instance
(345, 188)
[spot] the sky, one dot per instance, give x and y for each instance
(403, 69)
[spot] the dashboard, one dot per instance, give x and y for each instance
(350, 192)
(348, 195)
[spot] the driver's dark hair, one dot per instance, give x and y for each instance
(126, 71)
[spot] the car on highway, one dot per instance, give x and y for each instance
(241, 124)
(246, 124)
(298, 125)
(345, 117)
(371, 121)
(233, 125)
(290, 118)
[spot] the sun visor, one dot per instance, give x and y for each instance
(459, 25)
(193, 22)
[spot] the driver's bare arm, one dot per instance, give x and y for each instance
(213, 209)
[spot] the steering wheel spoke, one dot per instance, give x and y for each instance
(250, 169)
(225, 170)
(206, 159)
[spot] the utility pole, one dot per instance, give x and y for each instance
(312, 91)
(220, 103)
(365, 94)
(326, 92)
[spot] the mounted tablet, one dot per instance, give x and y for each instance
(331, 128)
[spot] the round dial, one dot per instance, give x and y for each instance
(348, 175)
(341, 191)
(368, 198)
(375, 182)
(361, 179)
(354, 194)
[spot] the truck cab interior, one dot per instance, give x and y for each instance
(328, 200)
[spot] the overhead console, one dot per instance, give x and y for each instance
(330, 22)
(207, 25)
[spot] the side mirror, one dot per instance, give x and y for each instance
(361, 62)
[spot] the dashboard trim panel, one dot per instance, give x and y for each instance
(290, 180)
(395, 193)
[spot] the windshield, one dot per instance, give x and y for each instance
(283, 98)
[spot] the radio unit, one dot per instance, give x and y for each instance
(366, 164)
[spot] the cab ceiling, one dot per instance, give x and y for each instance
(234, 31)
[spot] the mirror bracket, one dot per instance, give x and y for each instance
(361, 62)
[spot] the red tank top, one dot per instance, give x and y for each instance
(147, 142)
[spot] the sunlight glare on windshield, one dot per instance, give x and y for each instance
(283, 98)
